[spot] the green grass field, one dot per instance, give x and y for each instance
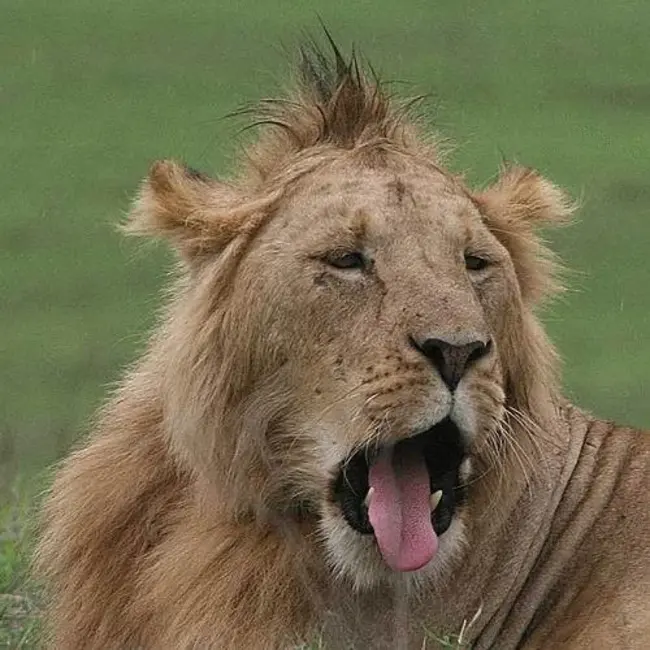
(91, 93)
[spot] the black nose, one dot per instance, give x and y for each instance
(452, 361)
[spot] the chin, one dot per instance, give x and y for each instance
(395, 512)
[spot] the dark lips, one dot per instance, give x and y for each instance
(443, 450)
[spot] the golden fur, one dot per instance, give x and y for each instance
(199, 514)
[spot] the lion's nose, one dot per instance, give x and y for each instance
(452, 361)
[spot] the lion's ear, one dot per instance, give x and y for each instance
(197, 214)
(514, 208)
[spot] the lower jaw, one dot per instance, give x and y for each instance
(366, 564)
(356, 560)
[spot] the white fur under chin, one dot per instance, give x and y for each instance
(356, 558)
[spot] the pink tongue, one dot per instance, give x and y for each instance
(399, 509)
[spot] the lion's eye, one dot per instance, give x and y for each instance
(475, 263)
(351, 260)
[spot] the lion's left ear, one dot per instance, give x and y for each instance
(514, 208)
(198, 215)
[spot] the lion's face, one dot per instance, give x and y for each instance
(352, 326)
(382, 294)
(347, 346)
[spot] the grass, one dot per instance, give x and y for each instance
(19, 598)
(446, 642)
(91, 93)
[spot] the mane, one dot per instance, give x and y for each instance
(337, 102)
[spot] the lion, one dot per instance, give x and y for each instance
(348, 427)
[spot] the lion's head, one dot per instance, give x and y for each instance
(354, 328)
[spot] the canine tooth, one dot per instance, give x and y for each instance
(434, 499)
(366, 501)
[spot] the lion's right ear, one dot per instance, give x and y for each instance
(197, 214)
(514, 208)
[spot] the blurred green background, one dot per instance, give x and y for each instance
(92, 92)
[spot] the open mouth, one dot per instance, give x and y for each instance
(405, 494)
